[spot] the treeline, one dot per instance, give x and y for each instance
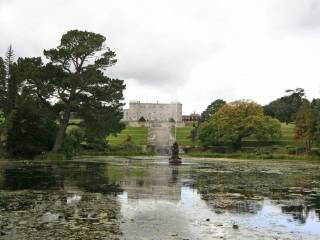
(40, 101)
(228, 124)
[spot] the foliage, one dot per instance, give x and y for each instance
(11, 82)
(98, 124)
(286, 107)
(74, 80)
(307, 126)
(267, 129)
(235, 121)
(211, 110)
(2, 120)
(31, 130)
(96, 144)
(3, 84)
(315, 118)
(208, 134)
(72, 143)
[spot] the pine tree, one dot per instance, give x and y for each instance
(3, 84)
(11, 82)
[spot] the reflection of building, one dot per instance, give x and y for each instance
(156, 183)
(160, 112)
(193, 117)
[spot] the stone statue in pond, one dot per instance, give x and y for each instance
(175, 159)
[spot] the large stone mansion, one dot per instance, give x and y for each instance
(153, 112)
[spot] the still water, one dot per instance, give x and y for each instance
(132, 198)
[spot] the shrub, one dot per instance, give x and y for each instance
(95, 144)
(72, 144)
(30, 131)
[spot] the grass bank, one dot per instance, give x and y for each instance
(138, 136)
(287, 147)
(183, 135)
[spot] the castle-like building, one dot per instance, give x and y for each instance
(153, 112)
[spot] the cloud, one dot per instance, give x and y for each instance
(190, 51)
(296, 14)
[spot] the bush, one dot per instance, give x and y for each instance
(95, 144)
(127, 146)
(72, 144)
(31, 131)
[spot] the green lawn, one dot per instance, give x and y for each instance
(288, 135)
(287, 138)
(138, 136)
(73, 127)
(183, 135)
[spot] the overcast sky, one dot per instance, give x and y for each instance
(182, 50)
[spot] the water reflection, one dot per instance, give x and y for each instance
(87, 176)
(31, 177)
(64, 201)
(143, 198)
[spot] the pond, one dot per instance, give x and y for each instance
(146, 198)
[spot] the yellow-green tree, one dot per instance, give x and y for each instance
(237, 120)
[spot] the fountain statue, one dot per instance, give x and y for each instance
(175, 159)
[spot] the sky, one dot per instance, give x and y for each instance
(184, 50)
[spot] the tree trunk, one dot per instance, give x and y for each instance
(62, 129)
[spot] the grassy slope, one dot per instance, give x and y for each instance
(73, 127)
(138, 136)
(288, 135)
(287, 138)
(183, 135)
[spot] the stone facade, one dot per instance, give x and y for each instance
(153, 112)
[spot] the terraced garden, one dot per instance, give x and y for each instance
(138, 136)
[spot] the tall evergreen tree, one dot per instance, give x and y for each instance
(79, 85)
(3, 84)
(11, 82)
